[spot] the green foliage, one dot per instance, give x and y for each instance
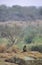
(38, 39)
(29, 39)
(31, 35)
(37, 48)
(3, 41)
(19, 13)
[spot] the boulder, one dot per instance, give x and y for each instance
(20, 61)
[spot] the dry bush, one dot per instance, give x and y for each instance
(2, 48)
(14, 49)
(5, 55)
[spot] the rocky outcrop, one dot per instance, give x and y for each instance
(20, 61)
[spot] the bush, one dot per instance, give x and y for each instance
(2, 48)
(14, 49)
(29, 39)
(37, 48)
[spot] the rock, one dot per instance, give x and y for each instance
(20, 61)
(16, 61)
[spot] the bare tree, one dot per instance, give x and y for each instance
(11, 33)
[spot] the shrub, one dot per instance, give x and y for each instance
(37, 48)
(2, 48)
(14, 49)
(29, 39)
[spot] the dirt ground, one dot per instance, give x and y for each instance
(17, 53)
(2, 62)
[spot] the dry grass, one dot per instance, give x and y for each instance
(34, 54)
(15, 51)
(2, 48)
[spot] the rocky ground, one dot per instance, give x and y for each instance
(17, 57)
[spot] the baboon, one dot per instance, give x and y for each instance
(24, 48)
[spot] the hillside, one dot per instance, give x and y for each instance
(19, 13)
(14, 35)
(21, 33)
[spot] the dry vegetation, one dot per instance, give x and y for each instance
(2, 48)
(14, 50)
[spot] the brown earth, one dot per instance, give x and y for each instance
(14, 51)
